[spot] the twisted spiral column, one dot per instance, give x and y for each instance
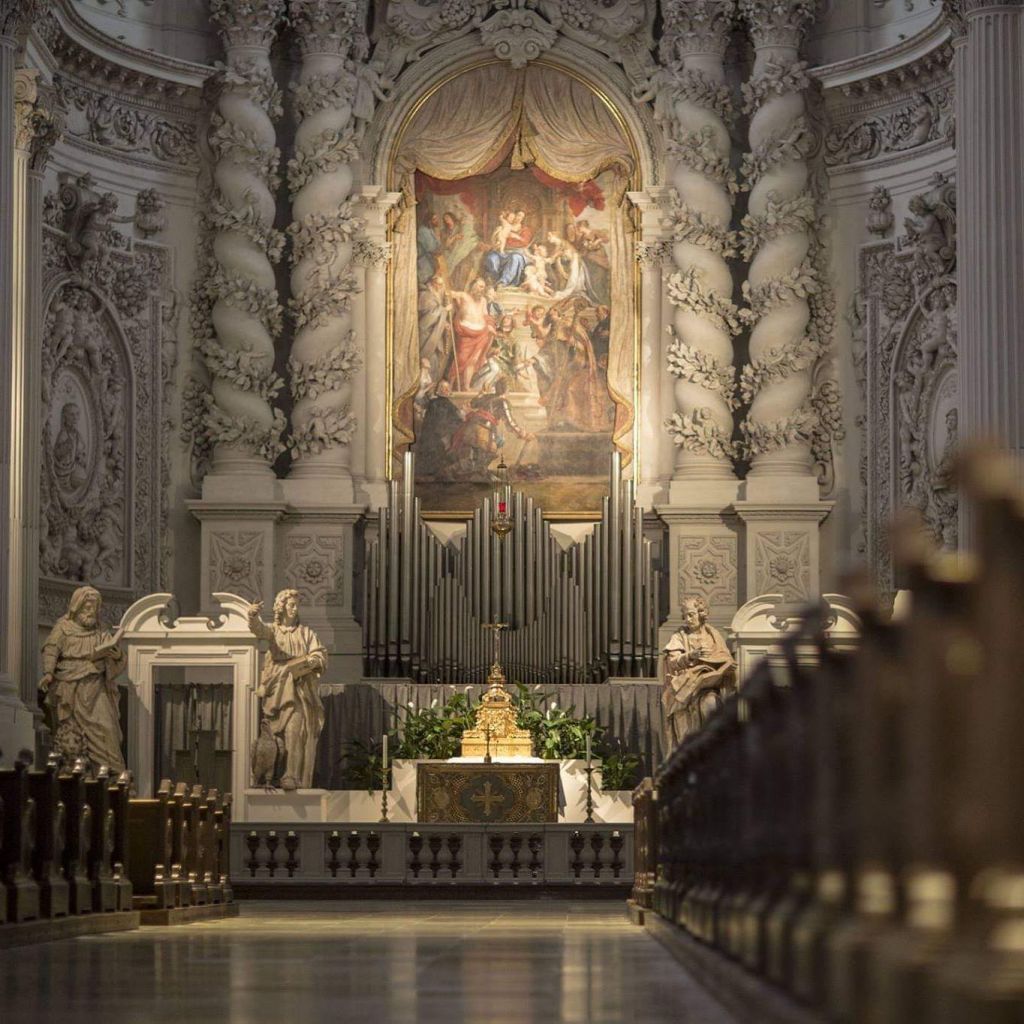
(244, 315)
(324, 357)
(697, 216)
(779, 238)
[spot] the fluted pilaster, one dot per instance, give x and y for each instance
(990, 236)
(780, 239)
(236, 331)
(16, 17)
(37, 128)
(324, 354)
(694, 106)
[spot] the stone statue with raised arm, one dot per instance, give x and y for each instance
(699, 673)
(289, 689)
(81, 662)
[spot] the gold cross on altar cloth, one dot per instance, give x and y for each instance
(487, 798)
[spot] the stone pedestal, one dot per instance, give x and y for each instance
(298, 807)
(237, 554)
(316, 555)
(703, 561)
(781, 549)
(258, 549)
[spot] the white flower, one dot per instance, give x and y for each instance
(433, 703)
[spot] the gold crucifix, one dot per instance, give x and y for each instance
(487, 798)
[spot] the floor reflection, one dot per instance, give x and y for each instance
(372, 962)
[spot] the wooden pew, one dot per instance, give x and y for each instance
(119, 797)
(198, 895)
(222, 835)
(51, 835)
(3, 890)
(19, 829)
(645, 849)
(151, 851)
(180, 841)
(101, 843)
(208, 829)
(77, 839)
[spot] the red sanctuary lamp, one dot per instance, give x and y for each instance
(501, 524)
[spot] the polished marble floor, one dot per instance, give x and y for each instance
(381, 962)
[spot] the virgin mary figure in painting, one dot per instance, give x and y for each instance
(505, 263)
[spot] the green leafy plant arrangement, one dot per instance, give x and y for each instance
(434, 732)
(362, 766)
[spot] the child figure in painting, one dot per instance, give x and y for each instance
(535, 276)
(506, 226)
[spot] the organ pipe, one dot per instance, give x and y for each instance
(579, 615)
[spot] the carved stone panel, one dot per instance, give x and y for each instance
(87, 388)
(782, 564)
(108, 350)
(707, 568)
(904, 325)
(237, 562)
(315, 566)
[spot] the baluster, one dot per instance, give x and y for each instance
(291, 845)
(354, 842)
(271, 842)
(454, 849)
(415, 847)
(373, 847)
(333, 847)
(252, 841)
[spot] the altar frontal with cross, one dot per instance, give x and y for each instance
(487, 793)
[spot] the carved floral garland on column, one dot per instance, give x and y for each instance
(235, 314)
(324, 357)
(788, 385)
(695, 109)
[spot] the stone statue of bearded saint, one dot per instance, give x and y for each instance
(699, 673)
(289, 688)
(80, 664)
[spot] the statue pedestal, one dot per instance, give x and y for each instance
(301, 806)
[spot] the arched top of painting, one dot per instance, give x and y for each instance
(568, 73)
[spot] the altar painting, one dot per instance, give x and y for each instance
(513, 275)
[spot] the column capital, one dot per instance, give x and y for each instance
(696, 26)
(778, 22)
(327, 26)
(247, 22)
(374, 203)
(38, 124)
(18, 16)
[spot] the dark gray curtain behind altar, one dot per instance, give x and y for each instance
(631, 713)
(183, 709)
